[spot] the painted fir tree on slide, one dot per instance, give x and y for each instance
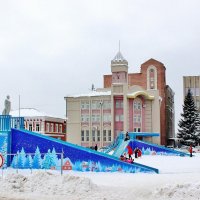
(189, 124)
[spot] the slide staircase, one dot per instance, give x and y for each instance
(120, 148)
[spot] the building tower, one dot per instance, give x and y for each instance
(119, 87)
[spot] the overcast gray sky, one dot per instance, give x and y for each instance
(52, 48)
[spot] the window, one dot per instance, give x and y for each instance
(119, 118)
(107, 118)
(104, 135)
(85, 105)
(95, 118)
(93, 136)
(98, 135)
(87, 135)
(197, 91)
(30, 127)
(82, 136)
(84, 118)
(109, 135)
(107, 105)
(152, 78)
(96, 105)
(37, 127)
(137, 118)
(52, 127)
(137, 105)
(47, 127)
(119, 104)
(56, 128)
(60, 128)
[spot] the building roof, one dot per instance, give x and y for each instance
(30, 112)
(92, 94)
(119, 57)
(152, 60)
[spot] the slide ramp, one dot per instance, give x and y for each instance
(79, 158)
(121, 148)
(154, 149)
(114, 145)
(147, 148)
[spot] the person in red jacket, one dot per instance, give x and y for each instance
(190, 150)
(130, 151)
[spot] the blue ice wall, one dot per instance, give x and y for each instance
(26, 141)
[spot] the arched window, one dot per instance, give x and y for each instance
(151, 78)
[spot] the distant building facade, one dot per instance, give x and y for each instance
(170, 114)
(134, 102)
(40, 122)
(192, 83)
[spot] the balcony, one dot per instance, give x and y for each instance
(7, 122)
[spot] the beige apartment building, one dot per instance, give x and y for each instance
(192, 83)
(133, 102)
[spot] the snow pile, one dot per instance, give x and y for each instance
(179, 179)
(179, 191)
(45, 184)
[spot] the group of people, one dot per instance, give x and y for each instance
(129, 159)
(137, 151)
(124, 158)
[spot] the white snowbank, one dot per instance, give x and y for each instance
(179, 178)
(45, 185)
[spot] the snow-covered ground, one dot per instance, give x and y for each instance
(179, 178)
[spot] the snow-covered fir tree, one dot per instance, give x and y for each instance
(21, 158)
(37, 160)
(14, 163)
(28, 162)
(188, 131)
(49, 160)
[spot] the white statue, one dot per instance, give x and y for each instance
(7, 106)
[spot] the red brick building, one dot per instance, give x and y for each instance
(141, 79)
(40, 122)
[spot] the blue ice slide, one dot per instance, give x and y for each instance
(30, 141)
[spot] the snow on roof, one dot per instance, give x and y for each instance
(92, 94)
(30, 112)
(119, 57)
